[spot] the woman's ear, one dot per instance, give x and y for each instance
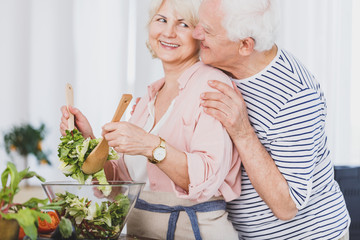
(246, 46)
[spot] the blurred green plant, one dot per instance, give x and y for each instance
(25, 140)
(28, 213)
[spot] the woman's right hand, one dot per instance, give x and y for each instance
(81, 122)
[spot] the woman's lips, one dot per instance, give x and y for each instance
(166, 44)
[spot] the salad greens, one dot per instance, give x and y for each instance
(65, 230)
(93, 220)
(26, 214)
(72, 152)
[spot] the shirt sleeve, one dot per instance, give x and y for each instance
(209, 154)
(297, 140)
(209, 159)
(115, 170)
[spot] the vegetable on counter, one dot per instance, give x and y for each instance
(28, 213)
(48, 227)
(72, 152)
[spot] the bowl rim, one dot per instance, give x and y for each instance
(93, 183)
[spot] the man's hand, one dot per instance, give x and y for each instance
(228, 106)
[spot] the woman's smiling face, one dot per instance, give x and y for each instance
(170, 36)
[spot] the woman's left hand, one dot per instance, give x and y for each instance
(129, 139)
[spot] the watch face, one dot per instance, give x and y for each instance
(159, 153)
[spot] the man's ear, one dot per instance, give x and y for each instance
(246, 46)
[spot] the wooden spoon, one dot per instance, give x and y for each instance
(70, 102)
(98, 156)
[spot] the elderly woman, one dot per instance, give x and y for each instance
(184, 155)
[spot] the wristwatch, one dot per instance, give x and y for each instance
(159, 153)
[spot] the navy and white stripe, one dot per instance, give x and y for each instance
(287, 110)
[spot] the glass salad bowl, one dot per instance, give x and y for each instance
(97, 211)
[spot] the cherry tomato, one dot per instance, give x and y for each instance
(45, 227)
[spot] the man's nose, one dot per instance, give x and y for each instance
(198, 33)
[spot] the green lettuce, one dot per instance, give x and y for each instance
(72, 152)
(93, 220)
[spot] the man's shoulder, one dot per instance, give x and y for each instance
(288, 73)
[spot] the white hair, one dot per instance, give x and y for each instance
(257, 19)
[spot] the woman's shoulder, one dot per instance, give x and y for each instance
(203, 74)
(210, 73)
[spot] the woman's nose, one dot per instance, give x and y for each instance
(169, 31)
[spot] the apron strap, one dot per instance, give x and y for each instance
(175, 210)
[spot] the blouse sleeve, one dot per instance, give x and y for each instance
(209, 158)
(116, 170)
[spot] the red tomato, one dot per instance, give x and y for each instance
(21, 233)
(45, 227)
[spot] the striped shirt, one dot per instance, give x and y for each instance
(287, 109)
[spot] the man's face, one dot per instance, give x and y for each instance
(215, 48)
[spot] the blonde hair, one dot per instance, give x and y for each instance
(188, 9)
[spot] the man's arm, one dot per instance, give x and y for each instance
(230, 109)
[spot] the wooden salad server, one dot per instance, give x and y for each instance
(69, 92)
(98, 156)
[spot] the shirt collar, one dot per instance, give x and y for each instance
(183, 80)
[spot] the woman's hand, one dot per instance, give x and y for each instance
(81, 122)
(228, 106)
(129, 139)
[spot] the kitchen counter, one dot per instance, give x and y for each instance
(122, 237)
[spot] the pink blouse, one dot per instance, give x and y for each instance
(213, 162)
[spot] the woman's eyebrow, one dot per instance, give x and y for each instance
(160, 15)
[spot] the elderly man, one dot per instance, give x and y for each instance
(276, 119)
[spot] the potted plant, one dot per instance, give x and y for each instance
(25, 215)
(25, 140)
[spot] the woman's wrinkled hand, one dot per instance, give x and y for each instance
(228, 106)
(129, 139)
(81, 122)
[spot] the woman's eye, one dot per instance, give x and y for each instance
(162, 20)
(184, 25)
